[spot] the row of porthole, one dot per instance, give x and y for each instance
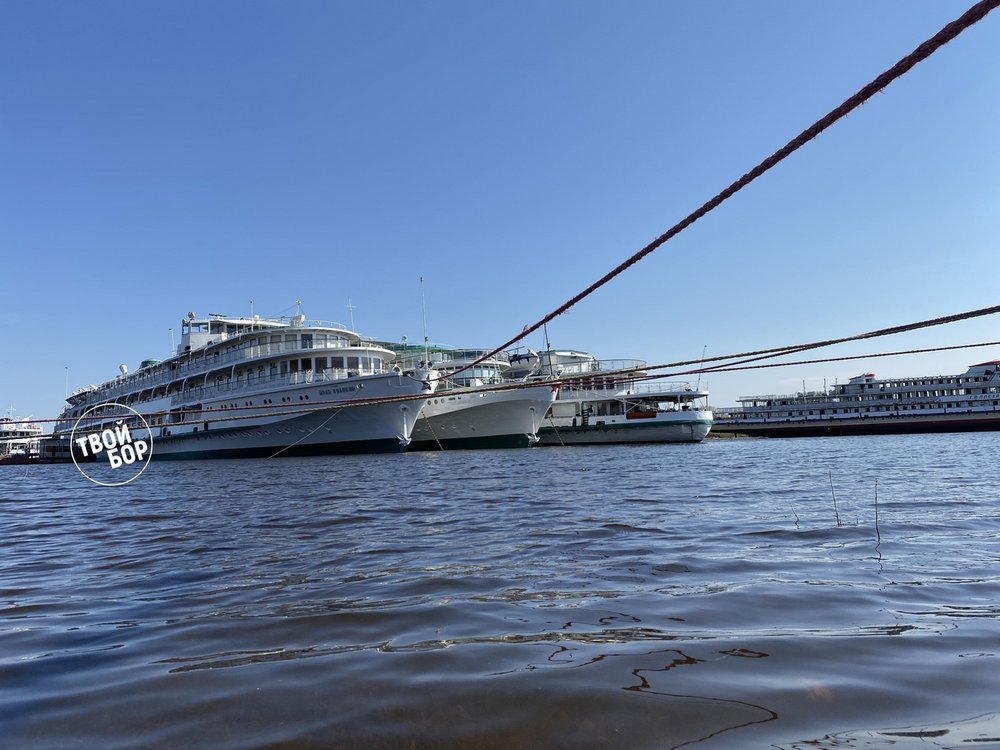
(287, 399)
(279, 430)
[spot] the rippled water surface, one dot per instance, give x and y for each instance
(813, 593)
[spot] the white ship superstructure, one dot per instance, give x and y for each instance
(241, 387)
(612, 401)
(19, 436)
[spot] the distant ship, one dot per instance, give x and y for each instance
(19, 439)
(612, 401)
(867, 405)
(246, 387)
(478, 407)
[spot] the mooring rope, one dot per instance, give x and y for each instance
(847, 358)
(972, 16)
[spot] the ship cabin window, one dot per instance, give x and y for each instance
(284, 367)
(352, 363)
(289, 341)
(293, 365)
(273, 370)
(276, 343)
(337, 363)
(307, 364)
(321, 364)
(307, 341)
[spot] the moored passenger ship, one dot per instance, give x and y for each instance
(614, 401)
(19, 439)
(254, 387)
(475, 404)
(867, 405)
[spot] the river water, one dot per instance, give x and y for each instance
(811, 593)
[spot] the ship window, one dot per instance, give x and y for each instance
(352, 363)
(293, 365)
(337, 363)
(307, 341)
(307, 364)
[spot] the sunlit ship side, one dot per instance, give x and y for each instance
(867, 405)
(476, 407)
(609, 401)
(254, 387)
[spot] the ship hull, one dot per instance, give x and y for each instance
(480, 418)
(887, 425)
(298, 420)
(668, 429)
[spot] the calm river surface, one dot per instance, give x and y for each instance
(588, 597)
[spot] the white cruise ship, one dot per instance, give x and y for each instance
(610, 401)
(867, 405)
(253, 387)
(477, 407)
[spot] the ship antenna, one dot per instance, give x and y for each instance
(423, 311)
(350, 312)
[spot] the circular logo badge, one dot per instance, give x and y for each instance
(106, 438)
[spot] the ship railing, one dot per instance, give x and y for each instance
(252, 386)
(594, 366)
(125, 384)
(641, 390)
(657, 387)
(326, 324)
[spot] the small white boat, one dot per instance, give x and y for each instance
(254, 387)
(612, 402)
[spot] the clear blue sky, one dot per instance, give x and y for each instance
(158, 157)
